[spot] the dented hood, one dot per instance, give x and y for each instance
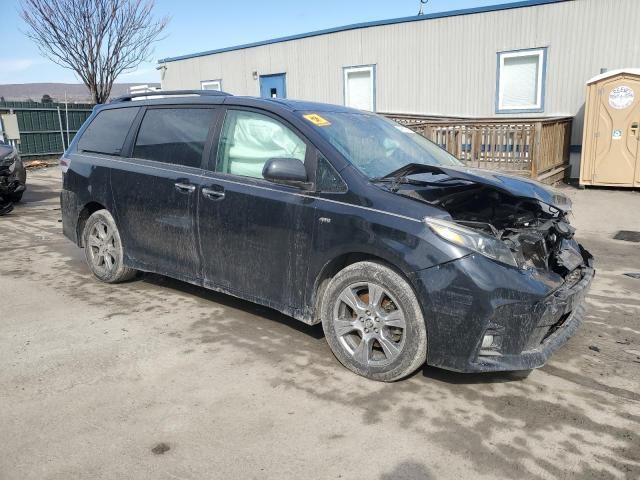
(511, 184)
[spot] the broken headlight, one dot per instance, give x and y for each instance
(479, 242)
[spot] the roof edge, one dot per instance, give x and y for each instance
(613, 73)
(376, 23)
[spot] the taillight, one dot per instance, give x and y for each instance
(65, 163)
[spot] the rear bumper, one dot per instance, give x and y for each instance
(530, 315)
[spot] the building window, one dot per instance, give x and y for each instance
(211, 85)
(360, 87)
(521, 81)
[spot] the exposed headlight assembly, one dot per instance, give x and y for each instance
(485, 245)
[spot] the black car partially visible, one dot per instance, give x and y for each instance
(13, 177)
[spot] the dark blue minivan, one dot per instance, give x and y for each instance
(332, 216)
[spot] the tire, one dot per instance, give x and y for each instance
(103, 249)
(15, 197)
(382, 338)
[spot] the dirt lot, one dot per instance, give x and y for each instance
(95, 377)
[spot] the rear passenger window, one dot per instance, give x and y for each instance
(108, 131)
(174, 135)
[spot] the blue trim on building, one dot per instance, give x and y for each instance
(378, 23)
(542, 89)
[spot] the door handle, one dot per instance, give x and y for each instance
(213, 194)
(185, 187)
(634, 129)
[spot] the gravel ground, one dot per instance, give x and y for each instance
(160, 379)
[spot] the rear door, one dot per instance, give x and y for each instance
(155, 191)
(255, 235)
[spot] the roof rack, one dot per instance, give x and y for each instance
(170, 93)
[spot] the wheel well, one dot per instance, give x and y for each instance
(88, 210)
(333, 267)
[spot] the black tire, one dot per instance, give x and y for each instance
(15, 197)
(103, 249)
(385, 361)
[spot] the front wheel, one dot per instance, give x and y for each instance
(373, 322)
(103, 249)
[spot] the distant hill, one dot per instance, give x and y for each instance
(75, 92)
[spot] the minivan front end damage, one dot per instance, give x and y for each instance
(518, 295)
(483, 316)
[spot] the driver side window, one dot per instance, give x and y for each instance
(249, 139)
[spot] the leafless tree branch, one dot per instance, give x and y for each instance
(97, 39)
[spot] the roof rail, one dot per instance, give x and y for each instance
(169, 93)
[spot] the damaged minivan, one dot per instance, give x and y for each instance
(334, 216)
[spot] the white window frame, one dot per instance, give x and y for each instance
(205, 83)
(356, 69)
(542, 73)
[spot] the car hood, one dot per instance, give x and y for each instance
(5, 150)
(511, 184)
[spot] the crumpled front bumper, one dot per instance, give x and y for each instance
(529, 314)
(13, 182)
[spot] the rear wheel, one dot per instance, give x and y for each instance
(373, 322)
(103, 249)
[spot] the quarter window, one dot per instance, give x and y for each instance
(108, 131)
(327, 179)
(521, 78)
(174, 135)
(249, 139)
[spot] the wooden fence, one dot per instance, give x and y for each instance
(532, 147)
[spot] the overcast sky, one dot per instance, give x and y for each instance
(198, 25)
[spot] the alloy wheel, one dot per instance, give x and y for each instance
(102, 247)
(369, 324)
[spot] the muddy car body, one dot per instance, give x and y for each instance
(330, 215)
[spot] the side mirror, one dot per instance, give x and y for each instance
(285, 170)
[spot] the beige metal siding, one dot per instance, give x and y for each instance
(444, 66)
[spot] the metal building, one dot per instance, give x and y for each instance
(530, 58)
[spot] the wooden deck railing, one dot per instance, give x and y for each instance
(532, 147)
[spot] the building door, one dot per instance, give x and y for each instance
(273, 86)
(618, 129)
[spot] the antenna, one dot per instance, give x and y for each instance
(422, 4)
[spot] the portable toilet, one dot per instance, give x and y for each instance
(610, 147)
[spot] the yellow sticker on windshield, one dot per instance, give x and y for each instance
(317, 120)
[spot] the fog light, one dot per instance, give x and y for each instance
(487, 341)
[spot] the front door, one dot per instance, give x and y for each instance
(255, 235)
(273, 86)
(616, 152)
(155, 192)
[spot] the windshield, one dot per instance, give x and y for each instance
(375, 145)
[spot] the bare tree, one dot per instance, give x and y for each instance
(97, 39)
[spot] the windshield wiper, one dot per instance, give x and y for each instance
(395, 182)
(401, 176)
